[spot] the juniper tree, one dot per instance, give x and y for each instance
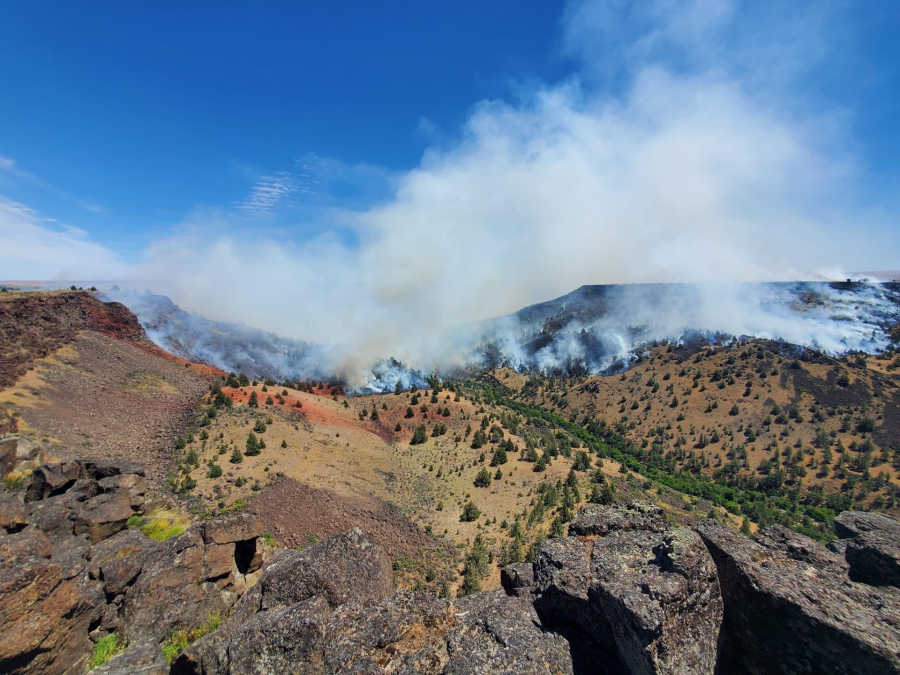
(252, 445)
(419, 435)
(470, 513)
(483, 479)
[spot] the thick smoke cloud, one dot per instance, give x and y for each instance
(677, 167)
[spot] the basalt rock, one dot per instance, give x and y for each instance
(143, 657)
(70, 572)
(517, 579)
(791, 616)
(348, 566)
(799, 547)
(599, 520)
(646, 592)
(360, 632)
(872, 547)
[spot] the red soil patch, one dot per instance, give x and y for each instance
(310, 409)
(199, 368)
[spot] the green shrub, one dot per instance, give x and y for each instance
(105, 648)
(470, 513)
(180, 638)
(161, 524)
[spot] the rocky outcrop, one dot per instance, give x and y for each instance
(648, 592)
(800, 547)
(630, 594)
(349, 566)
(598, 520)
(870, 543)
(787, 615)
(332, 609)
(517, 579)
(71, 571)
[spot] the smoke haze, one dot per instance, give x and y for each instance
(681, 167)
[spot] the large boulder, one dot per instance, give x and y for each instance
(51, 479)
(13, 514)
(499, 634)
(789, 616)
(104, 515)
(517, 579)
(661, 595)
(406, 634)
(799, 547)
(598, 520)
(295, 593)
(562, 581)
(346, 567)
(647, 592)
(170, 590)
(231, 528)
(851, 524)
(872, 547)
(46, 609)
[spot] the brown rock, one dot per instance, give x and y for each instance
(219, 560)
(104, 515)
(131, 484)
(231, 528)
(346, 567)
(44, 618)
(24, 544)
(51, 479)
(13, 514)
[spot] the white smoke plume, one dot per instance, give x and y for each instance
(683, 165)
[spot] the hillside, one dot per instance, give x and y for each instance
(824, 431)
(81, 379)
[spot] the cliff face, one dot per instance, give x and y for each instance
(630, 593)
(33, 325)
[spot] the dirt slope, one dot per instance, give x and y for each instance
(81, 379)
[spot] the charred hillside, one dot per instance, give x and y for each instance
(35, 324)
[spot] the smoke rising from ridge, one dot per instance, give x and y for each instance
(681, 174)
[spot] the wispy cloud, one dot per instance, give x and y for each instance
(92, 206)
(317, 183)
(269, 193)
(9, 167)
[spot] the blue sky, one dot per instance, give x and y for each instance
(127, 116)
(133, 135)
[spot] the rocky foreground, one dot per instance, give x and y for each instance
(626, 592)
